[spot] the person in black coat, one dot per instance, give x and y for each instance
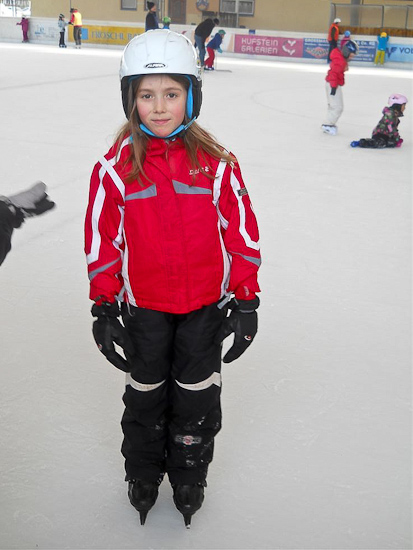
(202, 32)
(151, 21)
(15, 208)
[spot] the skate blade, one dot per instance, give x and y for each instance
(187, 520)
(142, 516)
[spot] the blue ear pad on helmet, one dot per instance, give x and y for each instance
(189, 100)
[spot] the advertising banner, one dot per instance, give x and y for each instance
(317, 48)
(400, 52)
(268, 45)
(367, 50)
(109, 35)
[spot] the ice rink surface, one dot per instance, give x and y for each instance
(316, 448)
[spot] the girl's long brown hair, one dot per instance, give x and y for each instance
(197, 141)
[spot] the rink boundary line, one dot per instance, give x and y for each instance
(403, 70)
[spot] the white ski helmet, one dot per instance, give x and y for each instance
(162, 51)
(397, 99)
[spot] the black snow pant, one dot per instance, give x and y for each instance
(378, 141)
(8, 222)
(172, 398)
(331, 46)
(62, 39)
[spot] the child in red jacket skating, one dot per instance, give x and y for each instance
(334, 83)
(171, 236)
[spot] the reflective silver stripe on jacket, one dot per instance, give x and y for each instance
(93, 274)
(185, 189)
(144, 194)
(255, 261)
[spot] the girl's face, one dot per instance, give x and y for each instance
(161, 103)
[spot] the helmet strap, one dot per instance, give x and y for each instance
(181, 128)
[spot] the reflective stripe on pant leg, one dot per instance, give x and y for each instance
(195, 395)
(144, 422)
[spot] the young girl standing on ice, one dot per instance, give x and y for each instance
(334, 83)
(170, 233)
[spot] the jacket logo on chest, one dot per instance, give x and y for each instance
(197, 171)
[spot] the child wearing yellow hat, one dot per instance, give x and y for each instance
(381, 48)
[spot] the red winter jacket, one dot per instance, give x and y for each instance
(173, 244)
(338, 66)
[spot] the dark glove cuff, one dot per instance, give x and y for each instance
(11, 213)
(106, 309)
(246, 306)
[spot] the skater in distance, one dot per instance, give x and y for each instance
(386, 133)
(333, 36)
(214, 44)
(62, 24)
(172, 247)
(382, 41)
(345, 39)
(151, 21)
(76, 21)
(202, 32)
(334, 83)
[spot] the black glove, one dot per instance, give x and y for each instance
(333, 91)
(10, 216)
(40, 207)
(243, 322)
(31, 202)
(108, 331)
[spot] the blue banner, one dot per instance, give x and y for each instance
(367, 50)
(400, 52)
(317, 48)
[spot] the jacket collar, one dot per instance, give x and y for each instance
(158, 146)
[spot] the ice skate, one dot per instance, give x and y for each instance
(142, 496)
(188, 500)
(329, 129)
(355, 143)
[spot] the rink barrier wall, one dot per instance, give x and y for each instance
(241, 42)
